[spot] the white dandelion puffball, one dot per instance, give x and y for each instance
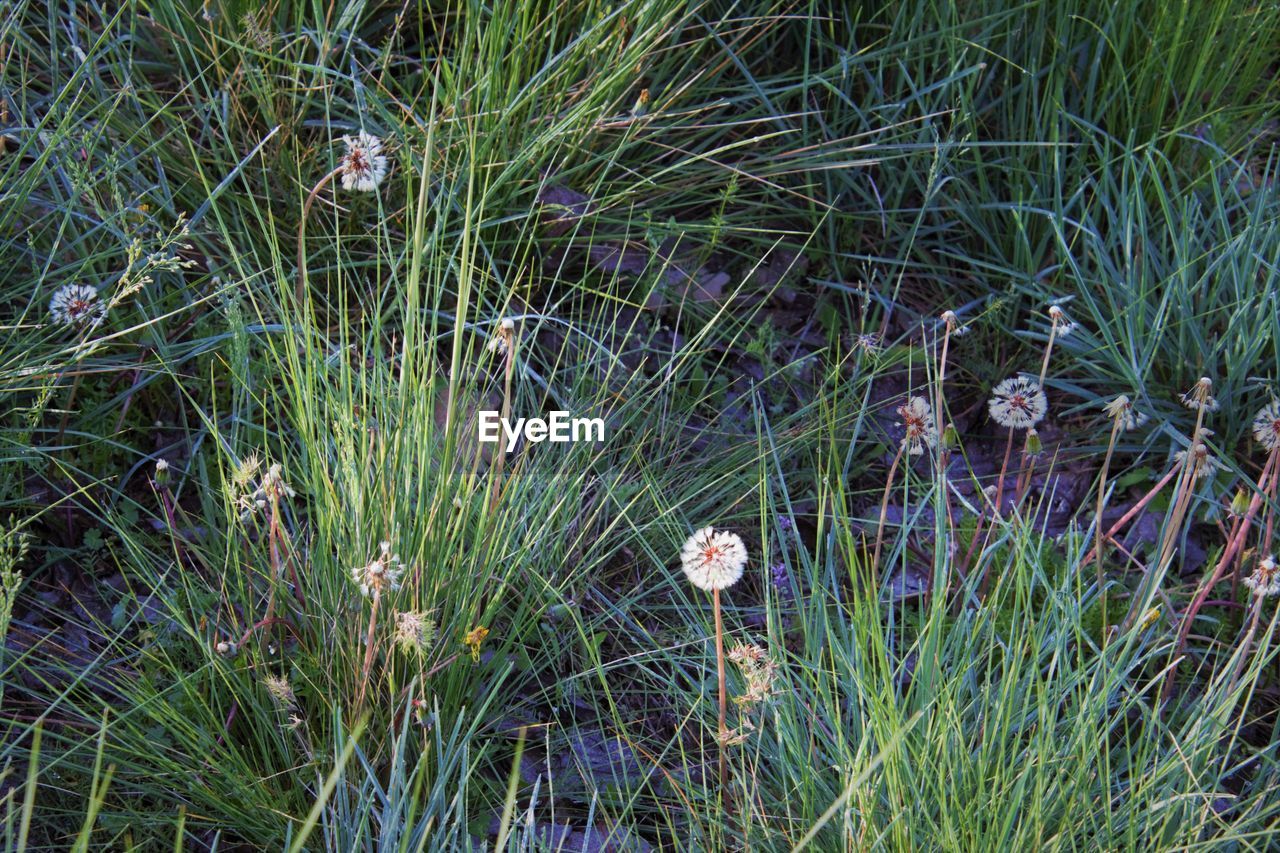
(713, 559)
(364, 165)
(917, 419)
(76, 305)
(1266, 426)
(1018, 403)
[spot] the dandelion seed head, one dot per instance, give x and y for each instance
(1198, 398)
(1205, 465)
(77, 305)
(503, 337)
(1265, 580)
(1193, 402)
(273, 484)
(363, 166)
(381, 574)
(1122, 411)
(1266, 426)
(921, 431)
(1018, 403)
(713, 559)
(1062, 325)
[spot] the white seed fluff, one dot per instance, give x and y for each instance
(1266, 426)
(1265, 580)
(363, 165)
(1122, 411)
(382, 574)
(1018, 403)
(920, 430)
(713, 559)
(76, 305)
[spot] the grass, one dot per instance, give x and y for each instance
(728, 230)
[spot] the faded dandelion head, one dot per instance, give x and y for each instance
(77, 305)
(952, 324)
(1018, 403)
(713, 559)
(363, 166)
(226, 648)
(502, 339)
(1266, 426)
(272, 487)
(920, 430)
(273, 484)
(1121, 411)
(381, 574)
(1265, 580)
(1198, 397)
(1204, 464)
(415, 631)
(1060, 320)
(280, 690)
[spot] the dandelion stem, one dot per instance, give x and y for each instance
(1266, 481)
(1004, 467)
(1182, 500)
(1025, 467)
(723, 730)
(301, 285)
(368, 651)
(508, 372)
(884, 513)
(942, 377)
(1097, 524)
(1048, 347)
(1137, 508)
(944, 452)
(1247, 643)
